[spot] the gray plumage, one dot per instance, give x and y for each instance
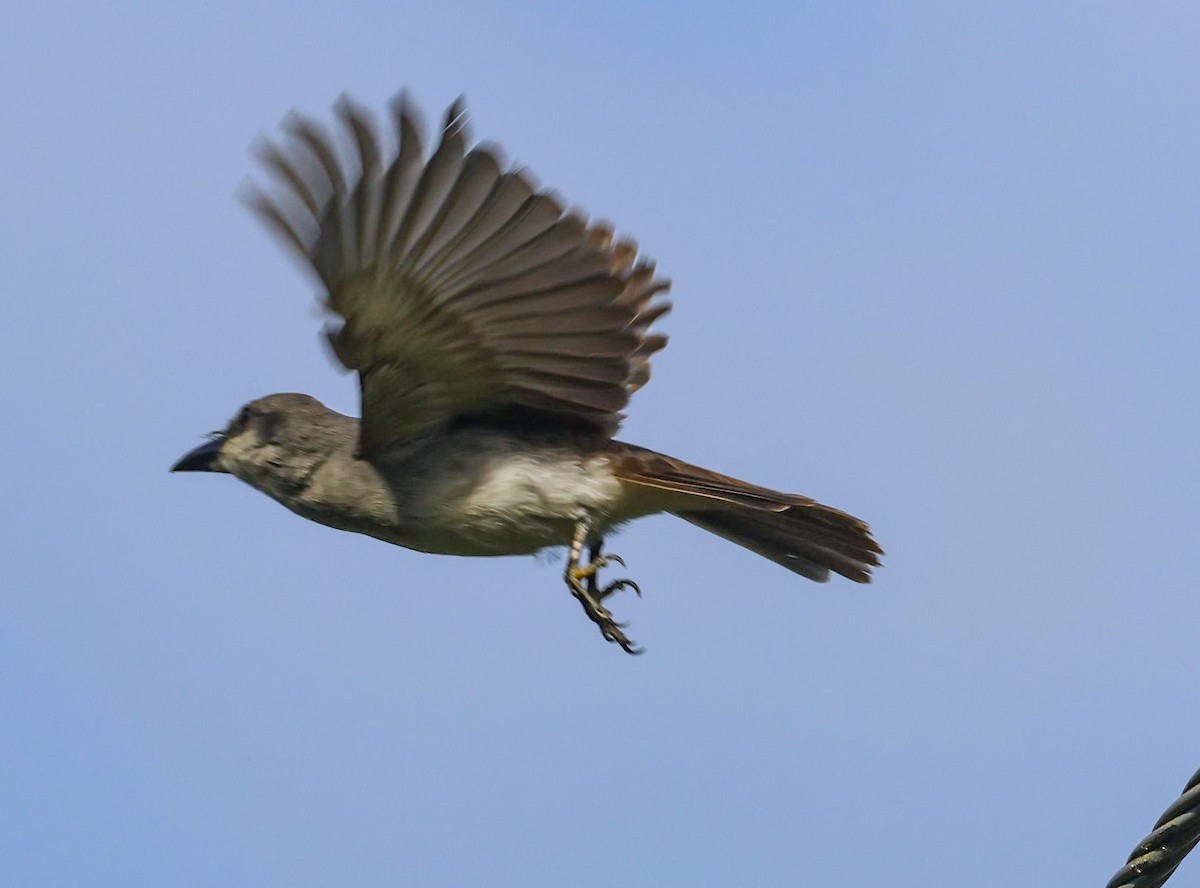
(497, 338)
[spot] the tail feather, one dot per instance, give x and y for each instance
(794, 531)
(808, 540)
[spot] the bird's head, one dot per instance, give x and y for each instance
(273, 443)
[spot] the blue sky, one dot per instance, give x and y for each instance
(934, 263)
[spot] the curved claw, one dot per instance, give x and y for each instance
(609, 556)
(625, 644)
(618, 585)
(630, 648)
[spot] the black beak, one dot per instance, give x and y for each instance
(202, 459)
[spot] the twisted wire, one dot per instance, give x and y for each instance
(1156, 856)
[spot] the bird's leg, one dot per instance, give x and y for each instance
(591, 595)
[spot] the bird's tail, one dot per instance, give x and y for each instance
(808, 540)
(794, 531)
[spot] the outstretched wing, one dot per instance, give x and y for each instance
(462, 290)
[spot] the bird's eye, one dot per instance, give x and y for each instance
(240, 421)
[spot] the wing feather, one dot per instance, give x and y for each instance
(462, 290)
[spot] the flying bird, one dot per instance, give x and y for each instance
(497, 336)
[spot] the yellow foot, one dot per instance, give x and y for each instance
(591, 597)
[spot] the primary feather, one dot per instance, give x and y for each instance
(463, 291)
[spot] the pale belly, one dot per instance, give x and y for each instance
(482, 537)
(487, 495)
(517, 505)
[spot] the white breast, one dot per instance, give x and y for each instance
(492, 495)
(546, 484)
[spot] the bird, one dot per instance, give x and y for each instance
(497, 335)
